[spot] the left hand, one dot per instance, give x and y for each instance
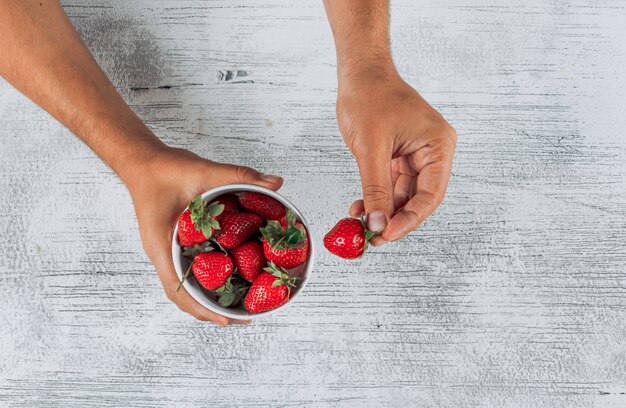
(403, 148)
(161, 187)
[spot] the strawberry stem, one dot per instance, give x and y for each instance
(185, 276)
(368, 235)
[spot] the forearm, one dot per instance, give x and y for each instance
(43, 56)
(361, 32)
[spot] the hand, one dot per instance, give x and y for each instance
(403, 148)
(161, 189)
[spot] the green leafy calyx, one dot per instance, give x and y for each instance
(368, 235)
(291, 236)
(282, 275)
(191, 252)
(203, 215)
(233, 291)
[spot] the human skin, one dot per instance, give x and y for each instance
(403, 147)
(42, 55)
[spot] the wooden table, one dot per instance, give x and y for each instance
(512, 295)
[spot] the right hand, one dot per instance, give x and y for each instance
(161, 189)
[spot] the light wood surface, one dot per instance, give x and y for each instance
(512, 295)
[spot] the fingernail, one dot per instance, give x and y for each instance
(376, 221)
(269, 178)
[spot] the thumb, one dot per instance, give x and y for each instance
(235, 174)
(376, 181)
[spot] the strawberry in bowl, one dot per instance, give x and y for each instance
(242, 251)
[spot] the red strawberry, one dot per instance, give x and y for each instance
(198, 223)
(236, 228)
(249, 259)
(212, 269)
(287, 246)
(229, 201)
(348, 239)
(288, 258)
(266, 206)
(192, 252)
(269, 290)
(188, 235)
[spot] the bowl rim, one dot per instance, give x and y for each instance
(208, 303)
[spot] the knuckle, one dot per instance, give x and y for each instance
(244, 173)
(449, 135)
(376, 194)
(436, 199)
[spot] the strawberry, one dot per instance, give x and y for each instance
(348, 239)
(266, 206)
(233, 291)
(286, 246)
(269, 290)
(229, 201)
(236, 228)
(197, 224)
(192, 252)
(212, 269)
(249, 259)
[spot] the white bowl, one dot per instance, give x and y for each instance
(205, 297)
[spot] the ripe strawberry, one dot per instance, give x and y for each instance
(286, 246)
(348, 239)
(236, 228)
(249, 259)
(269, 290)
(266, 206)
(211, 269)
(192, 252)
(198, 222)
(229, 201)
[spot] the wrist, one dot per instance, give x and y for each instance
(357, 64)
(133, 154)
(138, 167)
(366, 72)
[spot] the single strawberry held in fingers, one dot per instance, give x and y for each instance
(269, 290)
(198, 223)
(249, 259)
(348, 239)
(236, 228)
(212, 269)
(286, 246)
(263, 205)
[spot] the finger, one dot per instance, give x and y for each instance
(357, 209)
(376, 181)
(234, 174)
(241, 322)
(431, 185)
(402, 190)
(200, 312)
(170, 282)
(189, 305)
(377, 241)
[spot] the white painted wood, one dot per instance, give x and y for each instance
(512, 295)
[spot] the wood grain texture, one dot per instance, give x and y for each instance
(512, 295)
